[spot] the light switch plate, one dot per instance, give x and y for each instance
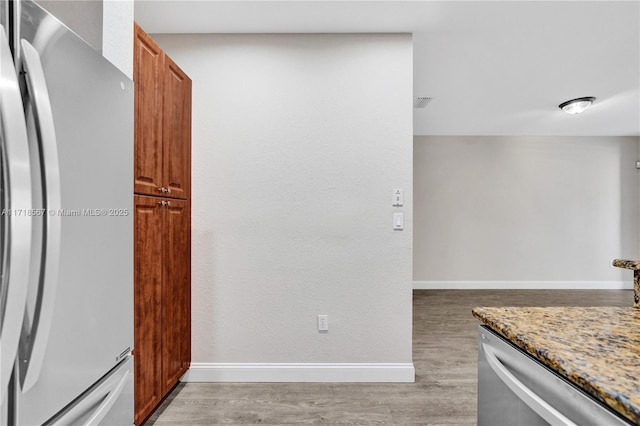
(398, 221)
(398, 197)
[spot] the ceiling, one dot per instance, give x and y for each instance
(491, 67)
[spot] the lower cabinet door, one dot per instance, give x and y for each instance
(176, 295)
(162, 332)
(148, 277)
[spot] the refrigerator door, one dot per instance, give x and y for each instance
(109, 402)
(15, 210)
(79, 319)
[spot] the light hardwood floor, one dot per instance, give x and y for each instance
(444, 355)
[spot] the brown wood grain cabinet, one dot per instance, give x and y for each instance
(148, 277)
(162, 218)
(147, 72)
(176, 295)
(176, 134)
(163, 111)
(162, 333)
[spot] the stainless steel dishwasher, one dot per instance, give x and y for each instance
(515, 389)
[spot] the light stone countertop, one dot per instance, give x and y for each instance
(627, 264)
(596, 348)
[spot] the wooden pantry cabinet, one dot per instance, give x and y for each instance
(163, 111)
(162, 225)
(162, 300)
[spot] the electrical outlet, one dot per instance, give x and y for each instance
(323, 323)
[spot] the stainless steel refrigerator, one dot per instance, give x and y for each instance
(66, 223)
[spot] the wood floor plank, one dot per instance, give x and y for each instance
(444, 356)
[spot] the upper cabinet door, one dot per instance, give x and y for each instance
(176, 130)
(147, 76)
(163, 122)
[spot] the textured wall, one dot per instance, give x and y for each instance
(117, 40)
(298, 141)
(524, 208)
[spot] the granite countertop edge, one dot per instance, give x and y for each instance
(501, 320)
(627, 264)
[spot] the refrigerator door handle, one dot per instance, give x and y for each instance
(104, 396)
(18, 178)
(31, 362)
(537, 404)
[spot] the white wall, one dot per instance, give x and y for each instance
(298, 141)
(524, 211)
(117, 38)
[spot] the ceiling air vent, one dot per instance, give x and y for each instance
(421, 101)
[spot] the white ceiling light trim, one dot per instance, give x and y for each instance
(578, 105)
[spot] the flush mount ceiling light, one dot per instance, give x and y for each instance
(576, 106)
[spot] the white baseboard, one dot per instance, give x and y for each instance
(522, 285)
(301, 372)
